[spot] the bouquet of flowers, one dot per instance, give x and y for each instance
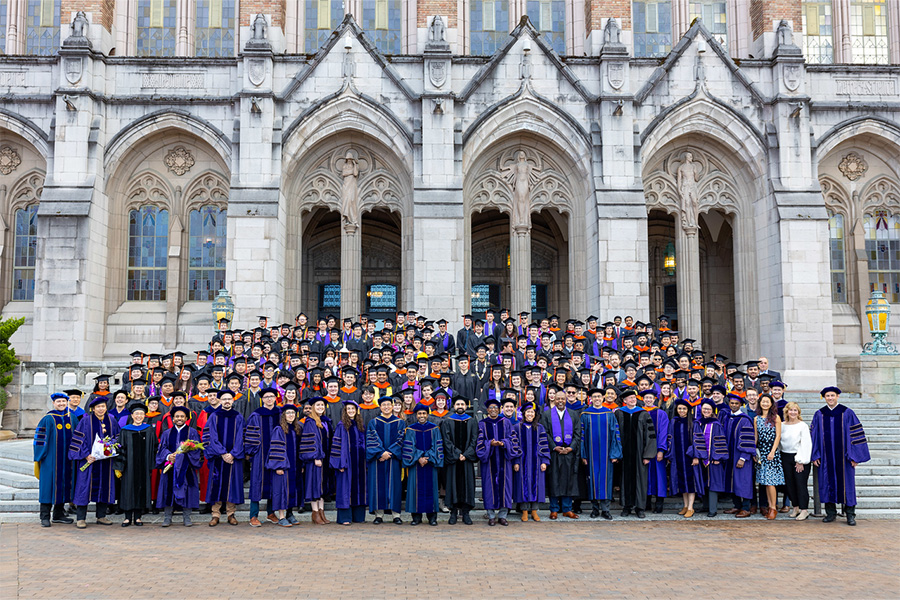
(102, 449)
(186, 446)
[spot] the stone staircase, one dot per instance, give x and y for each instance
(877, 481)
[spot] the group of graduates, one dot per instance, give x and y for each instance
(368, 417)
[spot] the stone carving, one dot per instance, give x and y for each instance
(179, 160)
(12, 78)
(521, 174)
(209, 188)
(9, 160)
(866, 87)
(256, 71)
(437, 72)
(158, 80)
(437, 32)
(73, 66)
(348, 67)
(615, 74)
(28, 189)
(853, 166)
(525, 66)
(350, 189)
(611, 33)
(687, 178)
(785, 34)
(791, 75)
(707, 179)
(79, 25)
(260, 27)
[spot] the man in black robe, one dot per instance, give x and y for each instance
(134, 464)
(564, 436)
(460, 433)
(464, 382)
(638, 448)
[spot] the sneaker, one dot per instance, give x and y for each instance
(65, 520)
(292, 519)
(272, 518)
(284, 523)
(45, 522)
(104, 521)
(254, 522)
(81, 525)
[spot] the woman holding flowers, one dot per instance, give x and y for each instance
(94, 479)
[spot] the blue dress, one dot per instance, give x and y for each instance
(768, 472)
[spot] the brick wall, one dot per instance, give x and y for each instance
(251, 8)
(597, 10)
(102, 11)
(426, 8)
(763, 12)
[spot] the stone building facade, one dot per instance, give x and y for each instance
(550, 156)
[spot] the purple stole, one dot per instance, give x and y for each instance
(564, 437)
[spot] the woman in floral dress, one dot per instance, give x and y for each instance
(769, 470)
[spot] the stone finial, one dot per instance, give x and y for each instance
(612, 38)
(785, 40)
(78, 32)
(437, 36)
(259, 35)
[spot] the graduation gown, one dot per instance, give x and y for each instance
(741, 440)
(529, 482)
(136, 461)
(283, 454)
(656, 470)
(496, 461)
(422, 439)
(460, 433)
(563, 469)
(638, 443)
(52, 438)
(708, 445)
(257, 441)
(181, 485)
(682, 474)
(837, 439)
(333, 409)
(348, 452)
(383, 482)
(600, 444)
(312, 448)
(224, 434)
(97, 482)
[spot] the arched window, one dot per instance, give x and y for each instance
(24, 253)
(381, 19)
(156, 27)
(652, 25)
(818, 33)
(838, 265)
(868, 31)
(883, 252)
(714, 18)
(148, 240)
(42, 27)
(549, 17)
(489, 25)
(321, 17)
(206, 245)
(214, 28)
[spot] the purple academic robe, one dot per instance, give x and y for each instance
(312, 448)
(224, 434)
(496, 462)
(529, 481)
(656, 470)
(97, 482)
(257, 438)
(181, 485)
(284, 455)
(837, 439)
(709, 444)
(422, 440)
(348, 452)
(684, 478)
(741, 440)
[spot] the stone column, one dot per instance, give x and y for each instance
(687, 253)
(351, 270)
(520, 268)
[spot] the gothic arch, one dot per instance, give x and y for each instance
(884, 133)
(882, 193)
(717, 188)
(208, 188)
(837, 199)
(28, 130)
(148, 188)
(26, 191)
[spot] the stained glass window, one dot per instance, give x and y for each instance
(329, 298)
(883, 251)
(156, 27)
(838, 267)
(148, 238)
(868, 31)
(538, 300)
(24, 253)
(652, 23)
(206, 241)
(713, 14)
(485, 296)
(381, 297)
(3, 6)
(549, 17)
(818, 33)
(382, 21)
(488, 25)
(42, 27)
(214, 28)
(321, 17)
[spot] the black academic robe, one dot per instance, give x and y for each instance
(465, 385)
(562, 474)
(638, 438)
(460, 437)
(136, 461)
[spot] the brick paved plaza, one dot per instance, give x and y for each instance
(544, 560)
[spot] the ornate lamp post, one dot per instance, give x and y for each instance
(878, 312)
(222, 310)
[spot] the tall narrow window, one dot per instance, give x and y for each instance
(214, 28)
(713, 14)
(3, 7)
(488, 25)
(381, 298)
(652, 23)
(538, 300)
(549, 17)
(206, 269)
(883, 251)
(838, 265)
(148, 238)
(381, 20)
(42, 27)
(868, 31)
(321, 18)
(329, 298)
(156, 27)
(485, 296)
(24, 253)
(818, 33)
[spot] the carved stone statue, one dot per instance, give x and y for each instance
(785, 35)
(522, 174)
(350, 189)
(80, 25)
(689, 192)
(612, 33)
(438, 31)
(260, 27)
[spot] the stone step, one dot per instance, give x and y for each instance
(11, 493)
(17, 466)
(879, 503)
(890, 480)
(18, 480)
(889, 446)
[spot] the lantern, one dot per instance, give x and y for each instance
(222, 310)
(878, 313)
(669, 260)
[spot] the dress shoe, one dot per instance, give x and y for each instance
(214, 521)
(742, 514)
(65, 520)
(453, 518)
(272, 518)
(784, 509)
(467, 519)
(378, 521)
(524, 516)
(802, 515)
(492, 522)
(683, 510)
(570, 515)
(232, 520)
(753, 510)
(829, 518)
(254, 522)
(81, 525)
(639, 513)
(207, 509)
(626, 512)
(851, 520)
(126, 523)
(415, 522)
(605, 514)
(658, 507)
(505, 523)
(577, 510)
(771, 513)
(711, 514)
(433, 521)
(535, 517)
(104, 521)
(595, 513)
(398, 521)
(689, 513)
(138, 523)
(45, 522)
(731, 511)
(553, 516)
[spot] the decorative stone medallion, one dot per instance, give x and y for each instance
(179, 160)
(615, 74)
(853, 166)
(9, 160)
(256, 71)
(437, 73)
